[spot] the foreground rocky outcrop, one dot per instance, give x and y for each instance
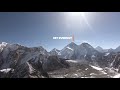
(30, 69)
(116, 61)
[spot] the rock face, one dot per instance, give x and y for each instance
(24, 62)
(19, 54)
(113, 60)
(27, 62)
(98, 48)
(73, 51)
(55, 52)
(68, 50)
(116, 61)
(30, 69)
(54, 63)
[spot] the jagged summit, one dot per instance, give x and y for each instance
(55, 51)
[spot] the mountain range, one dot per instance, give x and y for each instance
(18, 61)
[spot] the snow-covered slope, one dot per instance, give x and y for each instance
(23, 61)
(68, 50)
(83, 51)
(87, 49)
(55, 52)
(2, 45)
(100, 49)
(26, 61)
(11, 53)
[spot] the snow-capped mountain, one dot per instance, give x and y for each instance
(68, 50)
(55, 52)
(2, 46)
(110, 50)
(73, 51)
(35, 62)
(87, 49)
(99, 49)
(23, 61)
(11, 53)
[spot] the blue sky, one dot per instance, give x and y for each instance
(38, 28)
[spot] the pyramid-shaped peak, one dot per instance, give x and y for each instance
(86, 45)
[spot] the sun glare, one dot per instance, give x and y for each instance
(77, 16)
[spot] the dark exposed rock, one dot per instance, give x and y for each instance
(116, 61)
(54, 63)
(27, 70)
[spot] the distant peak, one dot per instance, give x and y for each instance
(53, 49)
(98, 47)
(72, 43)
(3, 44)
(85, 44)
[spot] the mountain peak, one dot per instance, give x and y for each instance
(86, 45)
(54, 49)
(98, 47)
(72, 44)
(3, 44)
